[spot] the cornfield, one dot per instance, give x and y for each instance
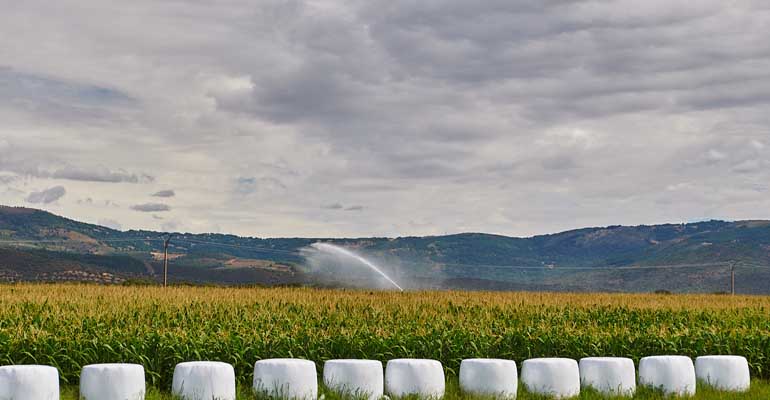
(69, 326)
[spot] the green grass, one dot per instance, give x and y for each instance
(760, 390)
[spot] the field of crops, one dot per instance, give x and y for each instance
(69, 326)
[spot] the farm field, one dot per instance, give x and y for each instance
(69, 326)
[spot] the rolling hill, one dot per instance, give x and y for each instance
(38, 246)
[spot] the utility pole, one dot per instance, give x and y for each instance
(165, 260)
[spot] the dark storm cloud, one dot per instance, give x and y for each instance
(47, 196)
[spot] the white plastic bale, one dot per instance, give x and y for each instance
(204, 380)
(728, 373)
(410, 376)
(29, 382)
(112, 382)
(286, 378)
(360, 378)
(488, 376)
(672, 374)
(557, 377)
(608, 375)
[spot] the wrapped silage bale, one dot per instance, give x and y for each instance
(29, 382)
(286, 378)
(411, 376)
(204, 380)
(556, 377)
(489, 377)
(608, 375)
(356, 378)
(672, 374)
(728, 373)
(112, 382)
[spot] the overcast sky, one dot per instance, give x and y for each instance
(385, 117)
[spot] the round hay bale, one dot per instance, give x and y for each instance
(557, 377)
(672, 374)
(728, 373)
(29, 382)
(112, 382)
(286, 378)
(411, 376)
(489, 377)
(204, 380)
(609, 375)
(357, 378)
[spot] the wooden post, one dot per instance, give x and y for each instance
(165, 261)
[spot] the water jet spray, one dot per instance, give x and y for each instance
(341, 251)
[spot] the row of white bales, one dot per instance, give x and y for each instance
(297, 378)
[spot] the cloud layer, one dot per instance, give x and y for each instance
(151, 207)
(424, 117)
(47, 196)
(164, 193)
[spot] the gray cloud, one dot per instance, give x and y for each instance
(151, 207)
(245, 185)
(47, 196)
(32, 86)
(512, 117)
(340, 207)
(100, 174)
(59, 98)
(164, 193)
(6, 179)
(28, 161)
(249, 185)
(89, 201)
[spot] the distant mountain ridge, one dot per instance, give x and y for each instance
(37, 245)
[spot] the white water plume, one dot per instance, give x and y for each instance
(343, 256)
